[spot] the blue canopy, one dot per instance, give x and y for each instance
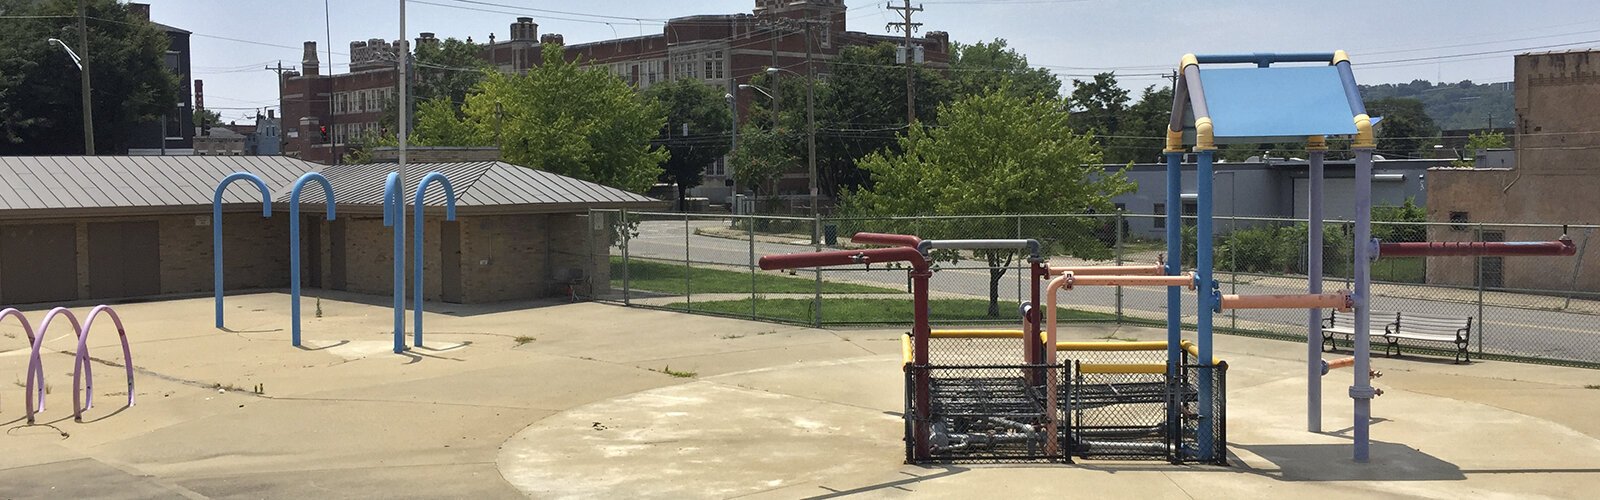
(1277, 102)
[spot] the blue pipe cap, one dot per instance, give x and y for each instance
(1216, 301)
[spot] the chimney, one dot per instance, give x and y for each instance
(308, 63)
(139, 10)
(553, 39)
(426, 39)
(940, 39)
(524, 30)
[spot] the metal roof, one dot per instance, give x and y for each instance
(78, 182)
(476, 184)
(36, 186)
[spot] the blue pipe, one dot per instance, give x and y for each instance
(1204, 306)
(216, 228)
(1362, 391)
(1174, 294)
(1265, 59)
(294, 245)
(393, 197)
(416, 243)
(1352, 93)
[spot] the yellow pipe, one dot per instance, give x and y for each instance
(905, 349)
(1194, 350)
(1340, 56)
(1316, 143)
(1112, 346)
(1364, 137)
(1121, 368)
(1204, 140)
(1174, 141)
(976, 334)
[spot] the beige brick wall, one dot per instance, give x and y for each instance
(369, 257)
(255, 252)
(505, 257)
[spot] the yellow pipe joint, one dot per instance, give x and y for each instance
(1203, 138)
(905, 349)
(1340, 56)
(1364, 135)
(1316, 143)
(1187, 61)
(1174, 141)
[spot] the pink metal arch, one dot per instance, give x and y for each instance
(81, 363)
(34, 363)
(27, 329)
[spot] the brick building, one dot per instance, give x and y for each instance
(173, 134)
(113, 227)
(1555, 173)
(720, 50)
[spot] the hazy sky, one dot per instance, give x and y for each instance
(1388, 40)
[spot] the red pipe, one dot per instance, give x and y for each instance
(1561, 247)
(920, 331)
(843, 258)
(886, 239)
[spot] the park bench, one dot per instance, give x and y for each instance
(1393, 327)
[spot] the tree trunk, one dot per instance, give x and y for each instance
(997, 270)
(683, 204)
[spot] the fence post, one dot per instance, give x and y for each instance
(1118, 251)
(816, 243)
(1577, 268)
(627, 235)
(1233, 260)
(688, 290)
(1481, 319)
(750, 226)
(1020, 277)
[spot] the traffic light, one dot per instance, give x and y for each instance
(322, 133)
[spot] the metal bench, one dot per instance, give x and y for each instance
(1407, 326)
(1334, 326)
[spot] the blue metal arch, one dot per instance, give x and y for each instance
(294, 244)
(216, 228)
(416, 242)
(393, 203)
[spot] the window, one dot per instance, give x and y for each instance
(1458, 221)
(717, 168)
(1161, 215)
(713, 64)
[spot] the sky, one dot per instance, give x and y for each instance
(1388, 40)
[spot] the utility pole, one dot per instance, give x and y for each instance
(88, 108)
(279, 69)
(908, 27)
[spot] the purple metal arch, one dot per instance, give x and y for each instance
(81, 363)
(27, 329)
(35, 364)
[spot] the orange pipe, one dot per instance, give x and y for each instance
(1150, 270)
(1341, 363)
(1340, 301)
(1073, 280)
(1050, 357)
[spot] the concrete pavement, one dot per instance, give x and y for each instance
(599, 401)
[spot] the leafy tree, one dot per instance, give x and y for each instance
(1477, 143)
(762, 156)
(203, 117)
(859, 110)
(1099, 105)
(1141, 137)
(41, 108)
(994, 153)
(448, 69)
(559, 117)
(697, 130)
(1454, 106)
(1406, 127)
(985, 66)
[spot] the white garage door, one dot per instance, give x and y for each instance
(1338, 198)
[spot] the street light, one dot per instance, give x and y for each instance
(811, 136)
(88, 110)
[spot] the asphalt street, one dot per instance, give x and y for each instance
(1509, 330)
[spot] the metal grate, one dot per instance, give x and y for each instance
(989, 413)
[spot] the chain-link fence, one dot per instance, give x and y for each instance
(1528, 308)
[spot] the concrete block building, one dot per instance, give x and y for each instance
(110, 228)
(1555, 173)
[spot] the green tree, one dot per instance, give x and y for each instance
(994, 153)
(697, 130)
(558, 117)
(1099, 106)
(984, 66)
(1406, 127)
(41, 108)
(448, 69)
(860, 108)
(762, 156)
(1478, 143)
(1141, 137)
